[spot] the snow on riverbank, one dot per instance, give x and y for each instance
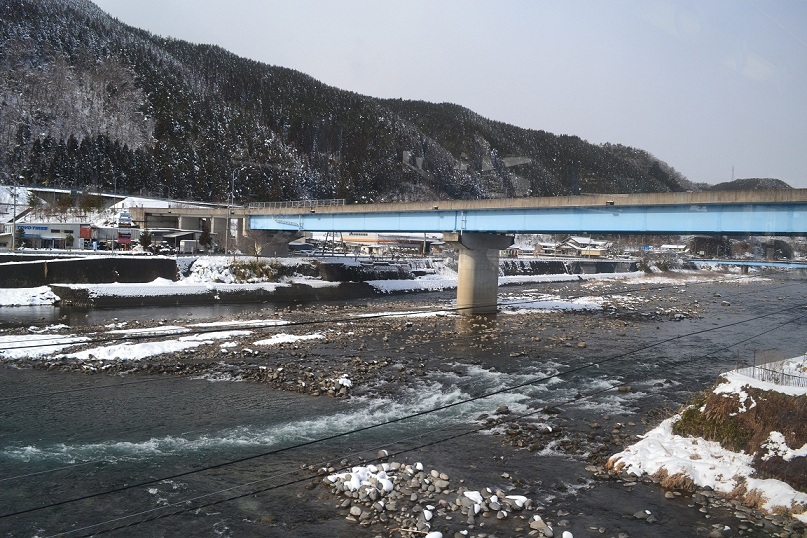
(27, 296)
(707, 463)
(47, 343)
(128, 351)
(710, 465)
(214, 273)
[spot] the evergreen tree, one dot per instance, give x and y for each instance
(145, 238)
(205, 238)
(97, 104)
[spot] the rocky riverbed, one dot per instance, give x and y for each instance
(593, 379)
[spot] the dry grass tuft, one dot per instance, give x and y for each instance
(660, 475)
(783, 511)
(755, 499)
(739, 491)
(675, 482)
(679, 482)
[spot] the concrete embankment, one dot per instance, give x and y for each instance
(67, 277)
(335, 271)
(34, 271)
(82, 297)
(559, 266)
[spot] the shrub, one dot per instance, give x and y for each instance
(254, 271)
(644, 264)
(712, 424)
(755, 499)
(678, 481)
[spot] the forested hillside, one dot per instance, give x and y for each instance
(750, 184)
(88, 102)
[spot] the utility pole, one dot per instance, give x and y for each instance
(231, 197)
(229, 211)
(14, 219)
(244, 164)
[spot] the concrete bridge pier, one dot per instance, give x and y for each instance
(478, 273)
(218, 227)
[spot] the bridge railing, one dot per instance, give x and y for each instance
(296, 203)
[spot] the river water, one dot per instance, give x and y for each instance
(175, 456)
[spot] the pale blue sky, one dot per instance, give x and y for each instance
(704, 85)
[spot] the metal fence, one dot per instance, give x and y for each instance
(773, 372)
(296, 203)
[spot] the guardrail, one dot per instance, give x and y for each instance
(296, 203)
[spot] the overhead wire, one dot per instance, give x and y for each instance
(575, 399)
(65, 467)
(387, 422)
(123, 384)
(346, 319)
(100, 462)
(154, 332)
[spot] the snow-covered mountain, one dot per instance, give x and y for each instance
(89, 102)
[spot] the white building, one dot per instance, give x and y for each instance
(58, 235)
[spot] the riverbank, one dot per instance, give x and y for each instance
(745, 439)
(541, 396)
(228, 280)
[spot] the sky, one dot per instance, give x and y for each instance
(717, 89)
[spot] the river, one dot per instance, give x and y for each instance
(152, 455)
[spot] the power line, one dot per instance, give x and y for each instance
(388, 422)
(160, 379)
(145, 335)
(411, 449)
(661, 287)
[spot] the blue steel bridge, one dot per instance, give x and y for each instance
(775, 212)
(480, 228)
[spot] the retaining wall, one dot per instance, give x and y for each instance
(125, 269)
(511, 267)
(293, 293)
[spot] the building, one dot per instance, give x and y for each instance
(56, 235)
(583, 247)
(67, 219)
